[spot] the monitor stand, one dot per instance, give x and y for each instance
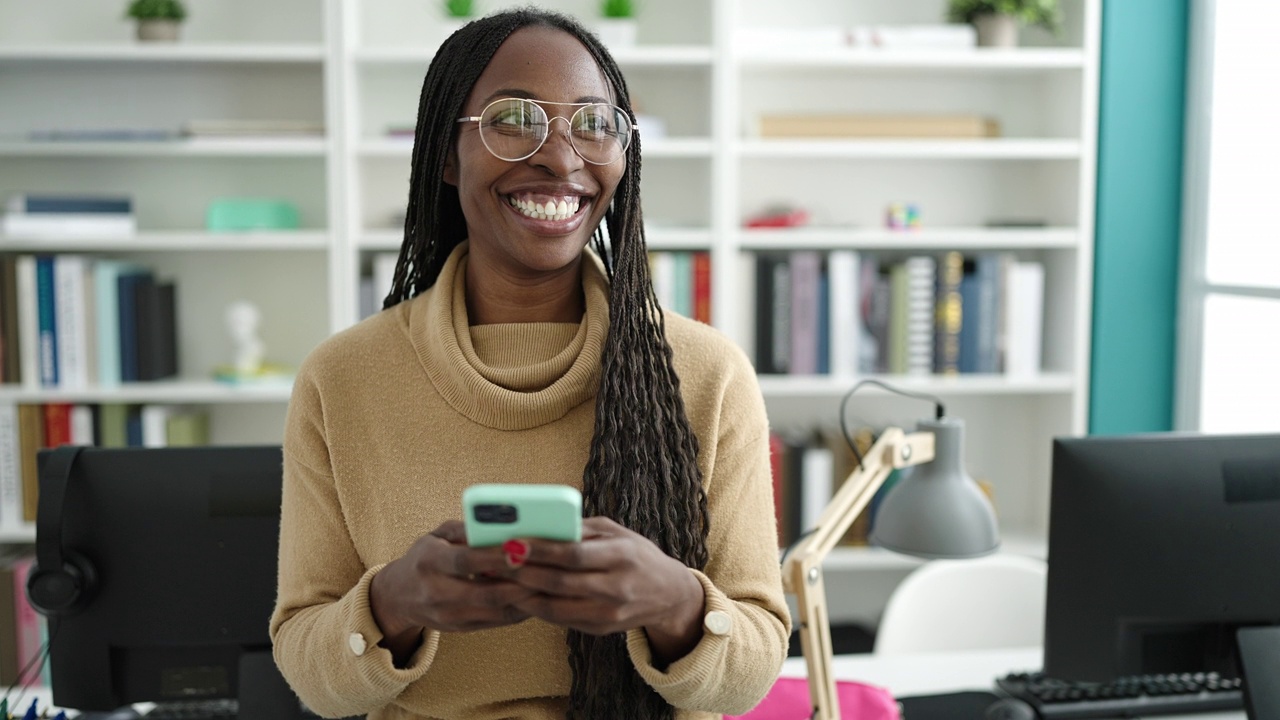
(264, 693)
(1259, 667)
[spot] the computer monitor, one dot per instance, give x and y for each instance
(181, 544)
(1160, 547)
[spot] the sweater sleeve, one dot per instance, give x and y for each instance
(323, 633)
(732, 672)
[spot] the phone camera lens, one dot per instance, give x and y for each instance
(496, 513)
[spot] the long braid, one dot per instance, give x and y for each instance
(642, 468)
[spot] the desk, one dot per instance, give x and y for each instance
(929, 673)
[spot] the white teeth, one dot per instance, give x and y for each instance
(550, 210)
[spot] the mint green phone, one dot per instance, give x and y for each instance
(497, 512)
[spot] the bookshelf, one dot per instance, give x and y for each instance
(357, 68)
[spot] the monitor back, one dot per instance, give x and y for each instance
(1160, 547)
(184, 545)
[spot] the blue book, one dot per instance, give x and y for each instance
(70, 204)
(126, 288)
(47, 321)
(133, 426)
(683, 275)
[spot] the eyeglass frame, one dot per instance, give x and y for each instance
(568, 121)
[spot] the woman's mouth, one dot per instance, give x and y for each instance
(546, 207)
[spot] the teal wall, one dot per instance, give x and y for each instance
(1139, 213)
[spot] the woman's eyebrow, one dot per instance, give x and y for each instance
(518, 93)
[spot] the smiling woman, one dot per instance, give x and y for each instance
(521, 341)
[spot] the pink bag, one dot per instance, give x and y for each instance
(789, 700)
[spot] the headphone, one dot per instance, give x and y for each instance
(61, 582)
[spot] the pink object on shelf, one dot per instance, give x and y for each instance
(789, 700)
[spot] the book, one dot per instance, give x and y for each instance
(702, 287)
(920, 312)
(188, 427)
(57, 424)
(844, 317)
(384, 272)
(155, 425)
(10, 468)
(112, 425)
(662, 268)
(817, 483)
(127, 293)
(69, 225)
(228, 127)
(30, 441)
(9, 665)
(682, 275)
(30, 625)
(106, 291)
(62, 204)
(70, 305)
(1024, 318)
(46, 288)
(844, 125)
(950, 313)
(10, 354)
(28, 321)
(82, 425)
(806, 268)
(773, 313)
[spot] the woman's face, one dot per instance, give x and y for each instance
(549, 65)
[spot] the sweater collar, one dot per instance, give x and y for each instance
(441, 337)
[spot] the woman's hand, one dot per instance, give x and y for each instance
(442, 584)
(612, 581)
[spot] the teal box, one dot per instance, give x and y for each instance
(242, 214)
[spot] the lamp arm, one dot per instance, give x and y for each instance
(802, 568)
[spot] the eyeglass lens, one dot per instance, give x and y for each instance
(514, 129)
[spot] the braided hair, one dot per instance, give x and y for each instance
(642, 469)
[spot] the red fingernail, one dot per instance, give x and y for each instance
(517, 552)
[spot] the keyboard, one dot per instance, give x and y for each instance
(1131, 696)
(195, 710)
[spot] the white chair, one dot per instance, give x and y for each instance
(991, 602)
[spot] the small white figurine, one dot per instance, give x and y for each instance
(243, 319)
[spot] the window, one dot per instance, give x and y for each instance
(1229, 349)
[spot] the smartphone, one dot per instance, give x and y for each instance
(496, 512)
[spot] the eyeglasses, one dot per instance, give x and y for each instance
(516, 128)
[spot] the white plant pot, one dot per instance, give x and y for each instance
(158, 30)
(996, 31)
(616, 32)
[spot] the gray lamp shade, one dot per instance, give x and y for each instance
(936, 510)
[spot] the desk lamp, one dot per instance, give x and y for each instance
(935, 511)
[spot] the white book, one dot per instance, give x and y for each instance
(806, 278)
(28, 321)
(155, 425)
(82, 425)
(921, 310)
(662, 267)
(1024, 307)
(384, 273)
(72, 324)
(79, 225)
(817, 470)
(843, 313)
(10, 468)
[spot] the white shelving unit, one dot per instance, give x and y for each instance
(357, 67)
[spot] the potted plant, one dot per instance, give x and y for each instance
(617, 25)
(157, 19)
(997, 20)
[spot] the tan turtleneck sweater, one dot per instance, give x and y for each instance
(392, 418)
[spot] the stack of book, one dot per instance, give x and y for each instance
(232, 128)
(873, 125)
(56, 215)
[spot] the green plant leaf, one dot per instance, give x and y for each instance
(617, 9)
(156, 10)
(458, 8)
(1040, 13)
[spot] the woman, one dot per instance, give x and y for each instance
(509, 352)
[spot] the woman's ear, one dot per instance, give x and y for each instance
(451, 168)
